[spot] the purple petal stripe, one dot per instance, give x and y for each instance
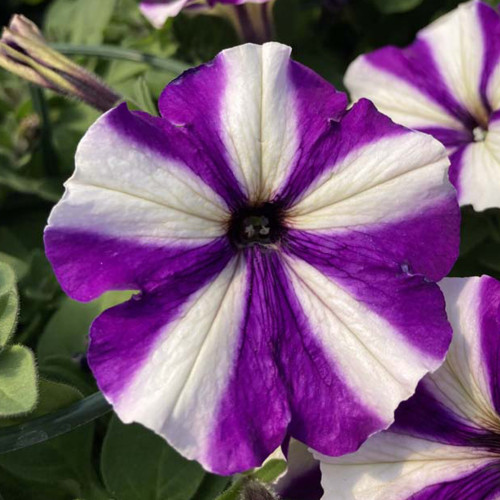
(122, 338)
(490, 29)
(387, 269)
(425, 417)
(331, 140)
(415, 65)
(482, 484)
(283, 380)
(490, 335)
(181, 141)
(119, 264)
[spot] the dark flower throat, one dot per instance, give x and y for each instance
(256, 225)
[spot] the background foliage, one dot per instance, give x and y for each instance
(39, 132)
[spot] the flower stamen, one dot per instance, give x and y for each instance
(256, 225)
(479, 134)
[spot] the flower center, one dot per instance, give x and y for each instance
(479, 134)
(256, 225)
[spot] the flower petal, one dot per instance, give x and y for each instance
(371, 328)
(448, 74)
(302, 480)
(461, 64)
(476, 169)
(158, 12)
(444, 443)
(252, 105)
(132, 195)
(396, 467)
(407, 86)
(169, 370)
(364, 182)
(466, 383)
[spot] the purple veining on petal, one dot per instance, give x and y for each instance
(180, 141)
(490, 29)
(88, 264)
(451, 138)
(282, 380)
(388, 269)
(489, 317)
(481, 484)
(415, 65)
(331, 140)
(426, 417)
(193, 104)
(314, 125)
(121, 338)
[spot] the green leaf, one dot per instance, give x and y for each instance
(474, 229)
(69, 371)
(394, 6)
(142, 96)
(52, 396)
(9, 303)
(271, 470)
(79, 21)
(137, 464)
(63, 462)
(211, 487)
(18, 382)
(13, 487)
(66, 332)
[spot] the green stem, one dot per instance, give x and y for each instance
(48, 154)
(53, 424)
(112, 52)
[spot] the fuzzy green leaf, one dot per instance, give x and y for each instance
(9, 303)
(18, 381)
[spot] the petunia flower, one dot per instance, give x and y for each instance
(447, 83)
(445, 444)
(286, 252)
(158, 11)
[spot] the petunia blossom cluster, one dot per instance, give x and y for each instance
(285, 250)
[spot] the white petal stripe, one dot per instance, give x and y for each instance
(261, 140)
(388, 369)
(367, 186)
(393, 96)
(394, 467)
(123, 189)
(177, 391)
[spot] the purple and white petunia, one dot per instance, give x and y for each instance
(158, 11)
(286, 252)
(447, 83)
(445, 444)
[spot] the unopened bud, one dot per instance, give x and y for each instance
(255, 490)
(24, 52)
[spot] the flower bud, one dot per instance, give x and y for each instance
(24, 52)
